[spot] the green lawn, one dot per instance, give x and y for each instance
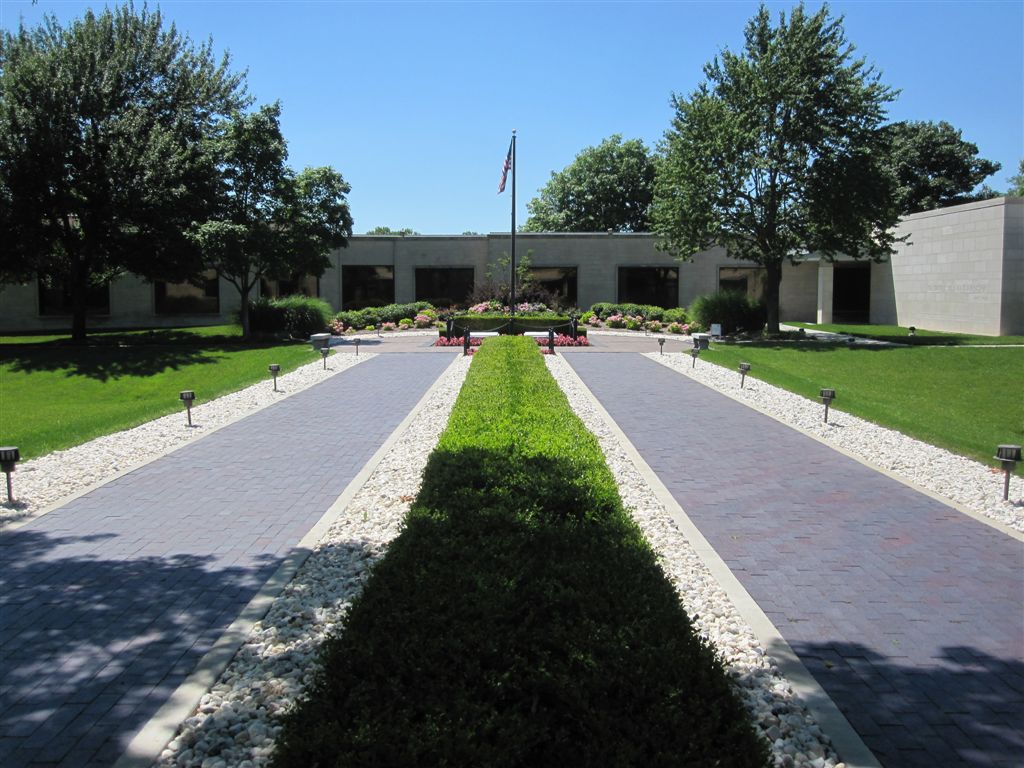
(921, 337)
(54, 395)
(963, 399)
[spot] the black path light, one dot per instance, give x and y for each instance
(744, 369)
(187, 397)
(379, 326)
(9, 456)
(324, 352)
(694, 353)
(465, 342)
(574, 324)
(1009, 455)
(551, 340)
(827, 396)
(911, 331)
(357, 346)
(274, 369)
(661, 346)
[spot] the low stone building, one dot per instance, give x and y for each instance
(961, 269)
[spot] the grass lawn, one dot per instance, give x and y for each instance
(54, 395)
(966, 400)
(898, 334)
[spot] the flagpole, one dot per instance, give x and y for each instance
(513, 302)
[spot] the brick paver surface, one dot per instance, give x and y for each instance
(107, 604)
(909, 614)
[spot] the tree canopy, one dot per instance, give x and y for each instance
(934, 167)
(609, 186)
(103, 149)
(778, 152)
(1017, 182)
(389, 231)
(268, 221)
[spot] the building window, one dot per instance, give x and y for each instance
(748, 280)
(363, 287)
(298, 285)
(188, 298)
(55, 297)
(558, 281)
(444, 286)
(649, 285)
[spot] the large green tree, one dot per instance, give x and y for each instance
(389, 231)
(934, 167)
(269, 222)
(103, 149)
(609, 186)
(778, 153)
(1017, 182)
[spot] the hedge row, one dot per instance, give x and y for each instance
(533, 322)
(604, 310)
(520, 618)
(732, 309)
(391, 313)
(298, 316)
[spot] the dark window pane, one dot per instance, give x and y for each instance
(748, 280)
(649, 285)
(851, 293)
(367, 286)
(298, 285)
(186, 298)
(559, 281)
(55, 297)
(444, 286)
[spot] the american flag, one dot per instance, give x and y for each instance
(505, 169)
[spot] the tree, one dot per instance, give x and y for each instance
(778, 153)
(268, 221)
(609, 186)
(389, 231)
(103, 165)
(934, 167)
(1017, 182)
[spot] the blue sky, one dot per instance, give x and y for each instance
(415, 102)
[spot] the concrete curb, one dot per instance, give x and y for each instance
(146, 746)
(965, 510)
(15, 524)
(845, 739)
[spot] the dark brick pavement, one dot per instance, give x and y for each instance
(909, 614)
(107, 604)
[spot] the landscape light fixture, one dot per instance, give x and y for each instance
(9, 456)
(551, 340)
(744, 370)
(357, 345)
(694, 353)
(187, 396)
(827, 396)
(379, 326)
(661, 346)
(1009, 455)
(324, 352)
(465, 341)
(274, 369)
(911, 331)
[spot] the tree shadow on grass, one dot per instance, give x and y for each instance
(91, 646)
(965, 709)
(109, 361)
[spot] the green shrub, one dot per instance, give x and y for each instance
(675, 315)
(520, 618)
(604, 309)
(265, 316)
(497, 321)
(298, 316)
(392, 313)
(732, 309)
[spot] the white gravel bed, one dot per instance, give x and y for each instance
(964, 481)
(48, 479)
(776, 711)
(234, 724)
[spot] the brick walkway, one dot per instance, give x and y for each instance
(107, 604)
(909, 614)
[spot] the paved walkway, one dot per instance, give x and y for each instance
(908, 613)
(107, 604)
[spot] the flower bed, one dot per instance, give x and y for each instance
(520, 618)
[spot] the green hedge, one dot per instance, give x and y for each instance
(491, 321)
(649, 312)
(732, 309)
(520, 618)
(298, 316)
(391, 313)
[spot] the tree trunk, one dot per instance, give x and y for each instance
(243, 311)
(79, 299)
(773, 270)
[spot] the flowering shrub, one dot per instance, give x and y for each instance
(423, 320)
(388, 326)
(457, 341)
(634, 323)
(563, 340)
(615, 321)
(594, 321)
(674, 328)
(405, 323)
(654, 325)
(487, 306)
(337, 327)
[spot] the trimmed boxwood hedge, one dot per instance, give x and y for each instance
(520, 619)
(494, 321)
